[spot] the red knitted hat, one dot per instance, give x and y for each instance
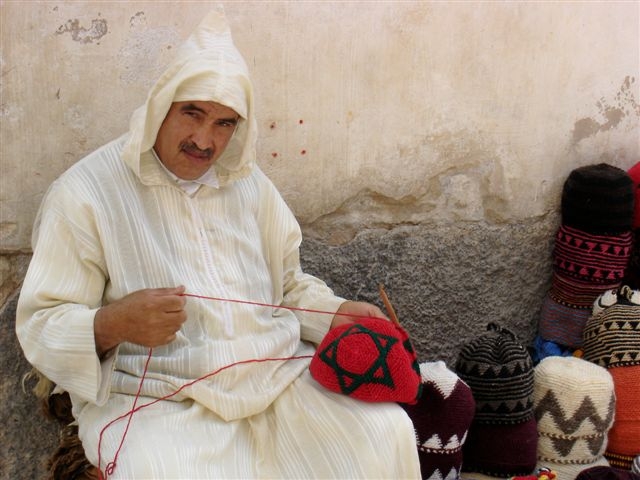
(634, 173)
(624, 436)
(372, 360)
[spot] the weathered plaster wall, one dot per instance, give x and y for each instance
(422, 145)
(372, 113)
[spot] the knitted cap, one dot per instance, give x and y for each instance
(500, 450)
(499, 371)
(371, 360)
(606, 473)
(624, 436)
(612, 336)
(574, 405)
(561, 323)
(598, 199)
(441, 419)
(634, 173)
(589, 263)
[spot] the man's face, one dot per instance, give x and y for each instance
(193, 135)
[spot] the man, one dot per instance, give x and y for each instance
(177, 206)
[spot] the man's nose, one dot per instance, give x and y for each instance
(202, 138)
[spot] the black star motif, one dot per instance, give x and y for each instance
(378, 372)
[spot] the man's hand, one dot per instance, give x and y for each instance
(149, 317)
(359, 309)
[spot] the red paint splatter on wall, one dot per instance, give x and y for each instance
(303, 152)
(300, 121)
(274, 154)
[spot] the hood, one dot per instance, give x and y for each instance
(207, 66)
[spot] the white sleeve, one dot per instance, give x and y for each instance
(60, 296)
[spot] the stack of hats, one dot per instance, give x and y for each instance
(574, 405)
(612, 340)
(441, 420)
(502, 437)
(632, 277)
(591, 252)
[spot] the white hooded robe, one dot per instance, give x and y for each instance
(115, 223)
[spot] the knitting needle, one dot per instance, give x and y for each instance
(387, 305)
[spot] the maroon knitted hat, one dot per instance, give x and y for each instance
(441, 419)
(501, 450)
(606, 473)
(595, 263)
(372, 360)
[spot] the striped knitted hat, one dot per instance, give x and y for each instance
(598, 199)
(612, 335)
(561, 323)
(441, 419)
(574, 406)
(587, 264)
(499, 371)
(502, 437)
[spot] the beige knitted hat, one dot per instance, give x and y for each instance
(574, 404)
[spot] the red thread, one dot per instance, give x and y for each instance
(111, 466)
(300, 309)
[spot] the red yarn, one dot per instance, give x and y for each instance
(111, 466)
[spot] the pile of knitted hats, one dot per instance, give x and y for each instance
(591, 253)
(373, 360)
(502, 438)
(612, 341)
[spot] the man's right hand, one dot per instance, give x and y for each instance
(149, 317)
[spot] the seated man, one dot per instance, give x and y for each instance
(127, 244)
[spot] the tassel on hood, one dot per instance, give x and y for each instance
(207, 67)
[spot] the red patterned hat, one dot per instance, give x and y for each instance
(634, 173)
(372, 360)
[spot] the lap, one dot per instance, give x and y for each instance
(308, 432)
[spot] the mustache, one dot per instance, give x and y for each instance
(192, 148)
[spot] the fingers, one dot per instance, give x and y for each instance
(179, 290)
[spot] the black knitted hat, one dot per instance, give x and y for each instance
(499, 371)
(598, 199)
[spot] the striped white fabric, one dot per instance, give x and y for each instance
(116, 223)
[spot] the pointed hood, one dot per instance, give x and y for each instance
(207, 67)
